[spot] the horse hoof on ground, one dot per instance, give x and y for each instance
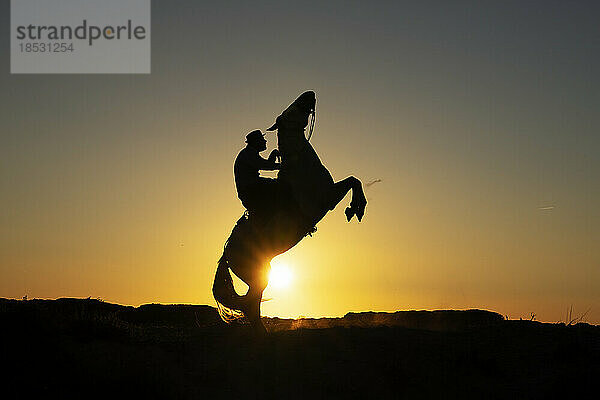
(259, 329)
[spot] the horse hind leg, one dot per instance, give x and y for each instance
(252, 309)
(236, 306)
(358, 202)
(257, 279)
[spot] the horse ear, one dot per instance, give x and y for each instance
(275, 126)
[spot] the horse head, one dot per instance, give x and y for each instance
(297, 113)
(290, 125)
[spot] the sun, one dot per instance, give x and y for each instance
(281, 275)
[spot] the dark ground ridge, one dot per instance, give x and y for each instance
(92, 349)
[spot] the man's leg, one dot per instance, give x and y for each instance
(250, 198)
(269, 196)
(264, 197)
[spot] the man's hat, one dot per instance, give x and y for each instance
(254, 135)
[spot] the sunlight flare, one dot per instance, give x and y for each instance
(281, 275)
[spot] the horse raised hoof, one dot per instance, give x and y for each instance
(349, 213)
(359, 206)
(360, 213)
(356, 208)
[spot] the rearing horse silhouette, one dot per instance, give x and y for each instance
(312, 192)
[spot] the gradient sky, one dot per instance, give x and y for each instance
(481, 120)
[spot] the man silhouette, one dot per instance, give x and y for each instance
(258, 194)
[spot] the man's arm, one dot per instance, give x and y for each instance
(275, 154)
(270, 164)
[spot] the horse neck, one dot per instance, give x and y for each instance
(290, 141)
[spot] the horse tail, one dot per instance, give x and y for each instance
(228, 301)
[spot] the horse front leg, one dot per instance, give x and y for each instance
(358, 202)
